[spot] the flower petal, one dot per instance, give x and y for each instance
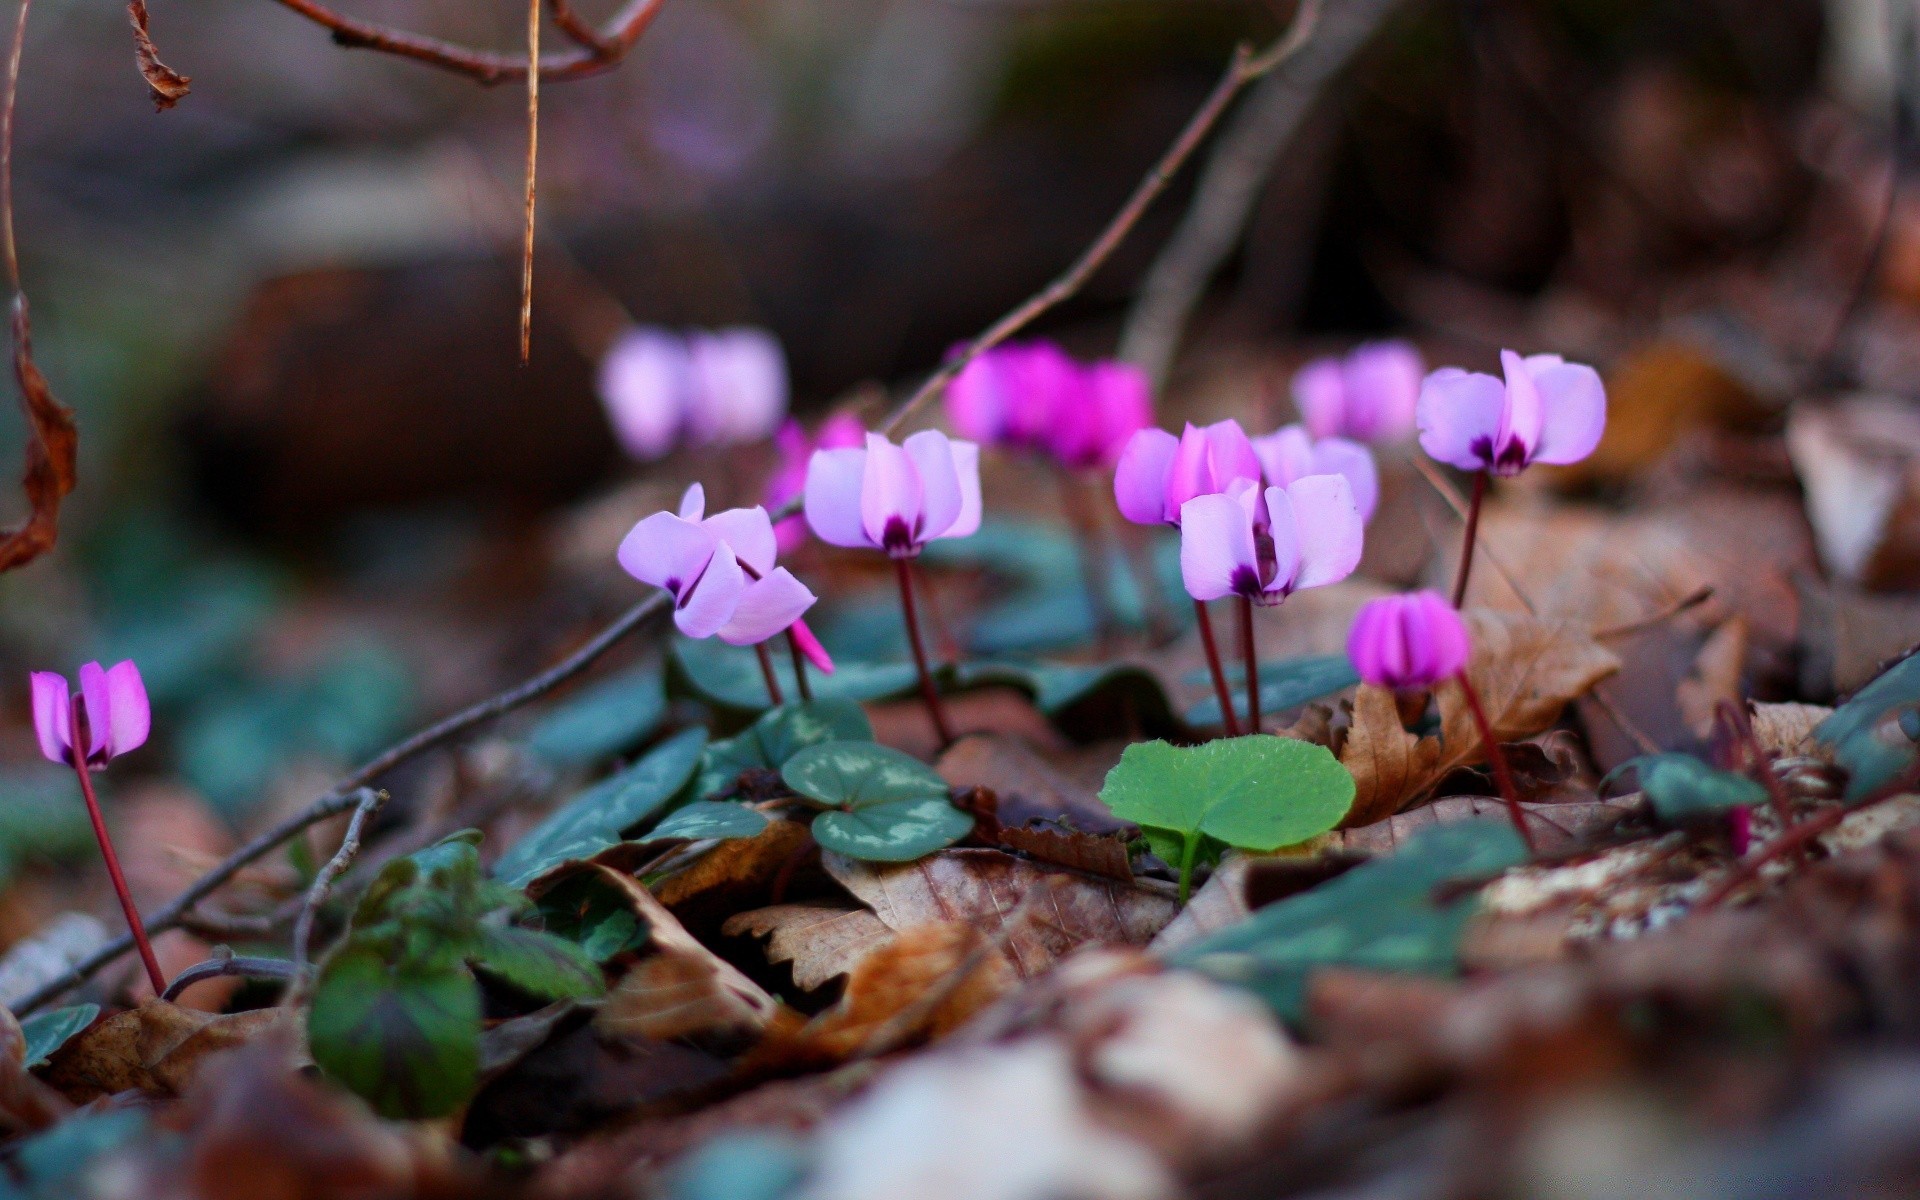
(739, 385)
(890, 493)
(811, 647)
(977, 399)
(667, 552)
(1523, 414)
(1283, 531)
(1285, 455)
(1338, 456)
(1216, 542)
(841, 431)
(1383, 387)
(714, 597)
(1573, 405)
(966, 467)
(766, 607)
(834, 481)
(131, 716)
(693, 502)
(1123, 397)
(52, 720)
(1230, 454)
(1459, 415)
(750, 535)
(1319, 395)
(643, 383)
(99, 705)
(1330, 530)
(932, 455)
(1140, 477)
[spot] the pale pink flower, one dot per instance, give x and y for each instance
(1267, 545)
(895, 498)
(1548, 410)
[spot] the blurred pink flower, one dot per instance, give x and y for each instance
(715, 388)
(1290, 453)
(895, 498)
(1411, 641)
(644, 381)
(1032, 396)
(114, 700)
(1548, 410)
(1114, 403)
(1266, 546)
(719, 570)
(789, 478)
(1369, 395)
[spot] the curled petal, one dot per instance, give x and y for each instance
(1331, 532)
(52, 720)
(749, 533)
(890, 497)
(643, 383)
(1140, 478)
(966, 468)
(1216, 544)
(811, 647)
(932, 456)
(1283, 531)
(693, 502)
(1230, 454)
(834, 481)
(1460, 417)
(1338, 456)
(130, 718)
(766, 607)
(1412, 641)
(667, 552)
(1522, 417)
(1573, 405)
(710, 603)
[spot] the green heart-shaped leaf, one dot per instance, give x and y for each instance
(404, 1037)
(536, 962)
(892, 830)
(730, 676)
(1283, 684)
(711, 819)
(48, 1031)
(855, 775)
(1681, 788)
(602, 721)
(778, 735)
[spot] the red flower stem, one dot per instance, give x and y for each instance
(1249, 649)
(799, 667)
(1498, 761)
(903, 568)
(134, 925)
(1228, 721)
(766, 673)
(1473, 529)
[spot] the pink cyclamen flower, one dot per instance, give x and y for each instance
(1405, 642)
(643, 383)
(1369, 395)
(895, 498)
(1548, 410)
(1114, 403)
(114, 701)
(1159, 473)
(717, 388)
(1009, 395)
(1290, 453)
(789, 479)
(1267, 545)
(719, 570)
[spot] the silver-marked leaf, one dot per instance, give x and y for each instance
(730, 676)
(48, 1031)
(1283, 685)
(711, 819)
(854, 775)
(778, 735)
(894, 830)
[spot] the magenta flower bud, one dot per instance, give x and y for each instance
(719, 570)
(1290, 453)
(1368, 396)
(895, 498)
(789, 478)
(643, 383)
(115, 703)
(1548, 410)
(1267, 545)
(737, 386)
(1407, 642)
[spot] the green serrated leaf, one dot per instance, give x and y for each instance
(712, 819)
(1381, 916)
(779, 734)
(730, 676)
(605, 720)
(855, 775)
(600, 816)
(893, 830)
(48, 1031)
(1681, 788)
(536, 962)
(1284, 684)
(404, 1037)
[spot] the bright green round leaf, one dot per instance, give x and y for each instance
(712, 819)
(857, 775)
(405, 1038)
(1256, 793)
(892, 831)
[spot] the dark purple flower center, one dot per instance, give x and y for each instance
(897, 539)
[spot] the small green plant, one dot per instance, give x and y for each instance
(880, 805)
(1258, 793)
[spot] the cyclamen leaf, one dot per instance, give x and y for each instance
(712, 819)
(603, 720)
(778, 735)
(404, 1037)
(1681, 788)
(1256, 793)
(48, 1031)
(855, 775)
(892, 831)
(730, 676)
(1283, 684)
(536, 962)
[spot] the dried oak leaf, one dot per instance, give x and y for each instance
(681, 988)
(1788, 728)
(822, 941)
(1027, 785)
(1525, 670)
(736, 868)
(982, 887)
(167, 86)
(157, 1048)
(52, 449)
(1096, 854)
(25, 1103)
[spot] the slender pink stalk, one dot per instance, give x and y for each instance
(134, 924)
(1473, 528)
(1249, 649)
(928, 692)
(1498, 761)
(1228, 720)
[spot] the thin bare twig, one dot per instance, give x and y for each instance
(224, 962)
(599, 50)
(533, 160)
(369, 803)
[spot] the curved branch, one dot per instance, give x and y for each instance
(600, 49)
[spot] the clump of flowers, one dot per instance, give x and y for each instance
(109, 717)
(663, 389)
(1368, 395)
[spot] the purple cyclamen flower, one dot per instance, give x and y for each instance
(1407, 642)
(1290, 453)
(644, 379)
(1114, 403)
(717, 388)
(1267, 545)
(895, 498)
(1159, 473)
(1009, 395)
(1548, 410)
(114, 701)
(719, 570)
(1369, 395)
(789, 479)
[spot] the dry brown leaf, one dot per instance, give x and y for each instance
(1716, 676)
(157, 1048)
(167, 86)
(1026, 784)
(737, 867)
(1788, 728)
(822, 941)
(52, 451)
(1859, 463)
(981, 887)
(1848, 636)
(1525, 671)
(681, 988)
(1554, 826)
(1096, 854)
(1656, 394)
(26, 1104)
